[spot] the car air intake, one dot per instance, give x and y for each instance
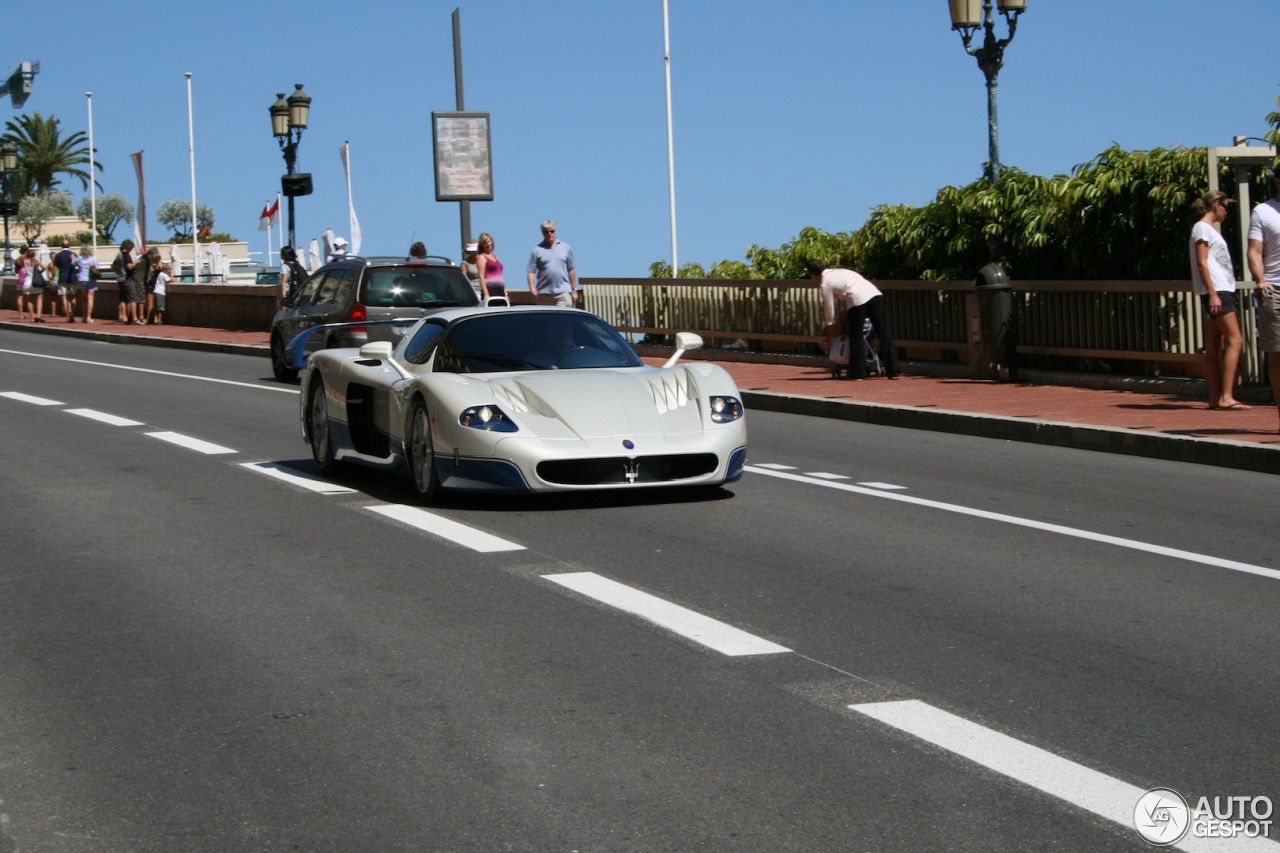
(622, 470)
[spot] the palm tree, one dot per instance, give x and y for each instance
(43, 155)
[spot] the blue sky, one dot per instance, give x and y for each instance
(786, 114)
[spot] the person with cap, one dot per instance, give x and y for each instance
(469, 267)
(1264, 266)
(552, 277)
(859, 299)
(339, 249)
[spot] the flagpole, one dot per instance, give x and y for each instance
(195, 228)
(93, 179)
(280, 224)
(671, 157)
(268, 241)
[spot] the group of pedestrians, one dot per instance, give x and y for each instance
(69, 280)
(1214, 282)
(551, 275)
(144, 284)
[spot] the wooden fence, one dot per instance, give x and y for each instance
(1135, 327)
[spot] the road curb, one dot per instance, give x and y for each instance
(1153, 445)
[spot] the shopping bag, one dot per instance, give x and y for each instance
(839, 353)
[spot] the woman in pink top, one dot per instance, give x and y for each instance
(491, 283)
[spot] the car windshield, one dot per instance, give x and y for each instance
(417, 287)
(535, 340)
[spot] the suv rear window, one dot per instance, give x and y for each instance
(417, 287)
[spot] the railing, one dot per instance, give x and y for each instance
(1141, 328)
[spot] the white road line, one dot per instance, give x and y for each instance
(823, 475)
(701, 629)
(476, 540)
(27, 398)
(259, 386)
(297, 478)
(1120, 542)
(1087, 789)
(886, 486)
(94, 415)
(191, 443)
(776, 466)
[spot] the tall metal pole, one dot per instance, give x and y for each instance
(93, 189)
(464, 206)
(191, 150)
(671, 156)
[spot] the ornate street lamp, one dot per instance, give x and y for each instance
(8, 162)
(968, 16)
(288, 119)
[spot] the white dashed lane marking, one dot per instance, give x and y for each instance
(103, 417)
(28, 398)
(278, 471)
(476, 540)
(198, 445)
(679, 620)
(1059, 777)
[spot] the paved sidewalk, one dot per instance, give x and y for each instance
(1140, 417)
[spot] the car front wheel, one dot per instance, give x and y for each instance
(422, 457)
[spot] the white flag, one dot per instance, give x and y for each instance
(356, 238)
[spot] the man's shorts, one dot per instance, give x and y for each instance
(1269, 322)
(565, 300)
(129, 292)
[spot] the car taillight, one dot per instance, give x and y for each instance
(358, 313)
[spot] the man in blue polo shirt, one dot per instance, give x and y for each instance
(552, 278)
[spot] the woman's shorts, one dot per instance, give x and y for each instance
(1269, 322)
(1228, 301)
(496, 288)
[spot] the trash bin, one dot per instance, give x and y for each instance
(996, 318)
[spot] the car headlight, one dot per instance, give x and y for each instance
(725, 409)
(488, 418)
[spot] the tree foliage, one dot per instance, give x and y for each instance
(33, 213)
(1121, 215)
(43, 155)
(175, 215)
(112, 211)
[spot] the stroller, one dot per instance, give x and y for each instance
(839, 354)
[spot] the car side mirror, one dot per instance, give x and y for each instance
(685, 341)
(379, 350)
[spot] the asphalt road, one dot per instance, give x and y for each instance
(878, 639)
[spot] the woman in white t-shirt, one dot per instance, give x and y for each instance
(1213, 279)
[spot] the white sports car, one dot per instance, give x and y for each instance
(529, 399)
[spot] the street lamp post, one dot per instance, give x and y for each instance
(288, 120)
(968, 16)
(8, 162)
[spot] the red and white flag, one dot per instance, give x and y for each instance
(274, 212)
(264, 219)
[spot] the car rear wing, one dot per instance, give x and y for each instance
(295, 352)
